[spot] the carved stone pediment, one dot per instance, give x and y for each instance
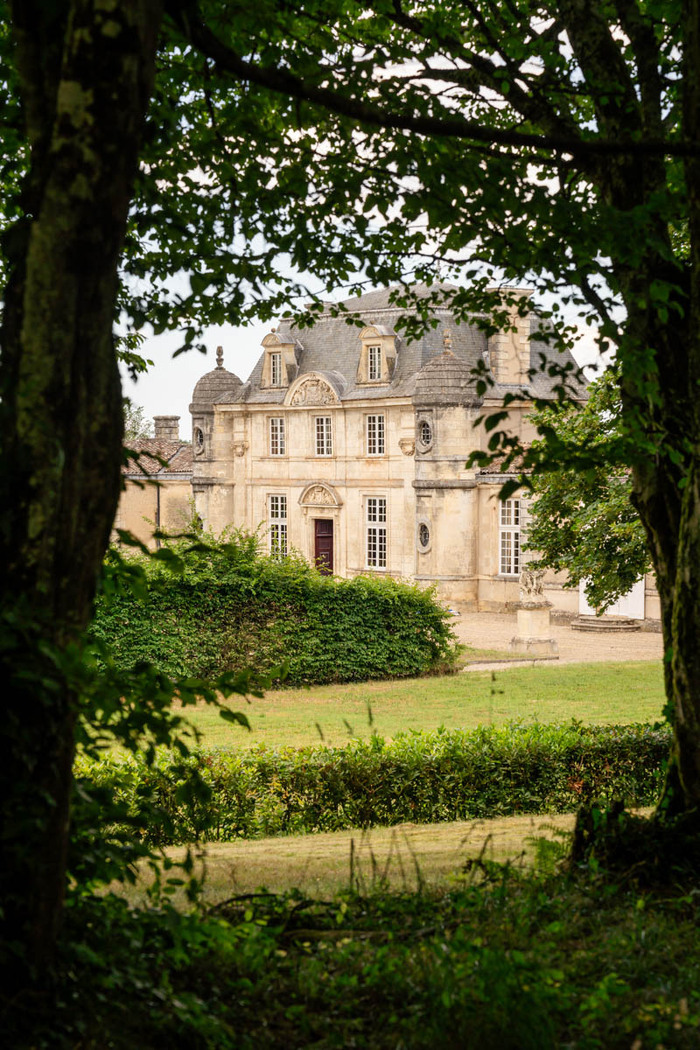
(319, 496)
(314, 392)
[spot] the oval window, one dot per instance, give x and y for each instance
(198, 439)
(423, 534)
(425, 432)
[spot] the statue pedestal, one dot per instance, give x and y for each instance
(534, 630)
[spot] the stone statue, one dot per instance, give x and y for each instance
(532, 586)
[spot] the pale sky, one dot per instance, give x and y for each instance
(166, 389)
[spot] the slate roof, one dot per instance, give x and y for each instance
(177, 456)
(333, 346)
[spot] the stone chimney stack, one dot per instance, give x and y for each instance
(509, 351)
(167, 428)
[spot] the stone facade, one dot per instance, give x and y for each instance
(157, 484)
(348, 443)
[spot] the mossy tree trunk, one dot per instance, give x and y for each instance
(667, 396)
(85, 70)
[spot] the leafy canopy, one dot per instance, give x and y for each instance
(347, 143)
(582, 519)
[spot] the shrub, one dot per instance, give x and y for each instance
(232, 607)
(431, 777)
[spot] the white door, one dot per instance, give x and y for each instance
(630, 605)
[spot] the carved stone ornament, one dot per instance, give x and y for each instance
(319, 497)
(532, 586)
(313, 392)
(240, 448)
(408, 446)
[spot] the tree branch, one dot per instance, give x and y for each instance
(187, 17)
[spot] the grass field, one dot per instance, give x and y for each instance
(601, 693)
(407, 857)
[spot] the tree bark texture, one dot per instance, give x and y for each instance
(85, 70)
(659, 353)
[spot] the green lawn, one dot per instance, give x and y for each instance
(594, 693)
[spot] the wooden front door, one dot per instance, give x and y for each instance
(323, 545)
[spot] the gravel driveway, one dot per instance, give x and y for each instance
(495, 630)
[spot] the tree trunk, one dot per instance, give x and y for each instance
(667, 487)
(85, 69)
(667, 496)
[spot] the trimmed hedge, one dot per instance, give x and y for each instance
(429, 777)
(232, 608)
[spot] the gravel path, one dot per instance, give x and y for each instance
(495, 630)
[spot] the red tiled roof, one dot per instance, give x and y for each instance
(497, 465)
(176, 454)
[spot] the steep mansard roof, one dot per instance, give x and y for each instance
(333, 346)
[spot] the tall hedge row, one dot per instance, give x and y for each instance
(231, 607)
(428, 777)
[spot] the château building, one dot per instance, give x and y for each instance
(349, 443)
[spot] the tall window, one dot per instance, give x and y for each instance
(509, 559)
(324, 436)
(375, 435)
(376, 532)
(374, 362)
(277, 443)
(277, 516)
(276, 369)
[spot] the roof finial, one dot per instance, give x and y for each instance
(447, 340)
(219, 357)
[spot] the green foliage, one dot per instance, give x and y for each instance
(136, 425)
(583, 520)
(503, 961)
(139, 710)
(228, 607)
(549, 140)
(423, 778)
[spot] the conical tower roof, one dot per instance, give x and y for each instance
(213, 385)
(445, 380)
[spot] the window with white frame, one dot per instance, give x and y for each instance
(277, 518)
(425, 432)
(277, 442)
(375, 435)
(276, 369)
(375, 507)
(509, 538)
(374, 363)
(324, 436)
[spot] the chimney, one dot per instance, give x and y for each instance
(167, 428)
(509, 351)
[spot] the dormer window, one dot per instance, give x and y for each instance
(280, 364)
(374, 363)
(378, 354)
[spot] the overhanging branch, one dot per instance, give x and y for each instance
(188, 19)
